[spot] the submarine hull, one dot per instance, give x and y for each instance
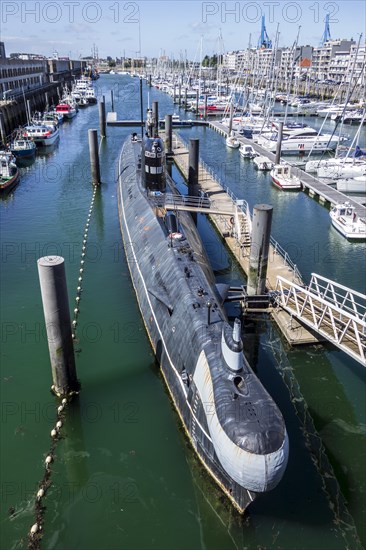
(184, 320)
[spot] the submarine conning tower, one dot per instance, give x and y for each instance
(232, 346)
(153, 164)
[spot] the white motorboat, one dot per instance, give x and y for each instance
(232, 142)
(83, 102)
(41, 134)
(283, 177)
(247, 151)
(83, 88)
(263, 163)
(347, 222)
(352, 185)
(90, 95)
(300, 140)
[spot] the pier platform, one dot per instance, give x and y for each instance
(277, 264)
(310, 184)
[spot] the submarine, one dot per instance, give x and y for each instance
(233, 424)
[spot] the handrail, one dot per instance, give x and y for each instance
(278, 249)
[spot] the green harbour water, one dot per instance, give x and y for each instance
(124, 474)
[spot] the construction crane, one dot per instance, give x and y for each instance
(326, 34)
(264, 42)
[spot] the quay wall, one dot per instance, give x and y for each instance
(13, 111)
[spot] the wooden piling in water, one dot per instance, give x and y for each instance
(112, 101)
(94, 156)
(52, 278)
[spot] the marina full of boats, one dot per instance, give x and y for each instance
(102, 455)
(41, 130)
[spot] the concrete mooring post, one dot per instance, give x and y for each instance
(112, 101)
(102, 122)
(193, 189)
(259, 248)
(155, 116)
(193, 160)
(94, 156)
(52, 278)
(168, 135)
(279, 143)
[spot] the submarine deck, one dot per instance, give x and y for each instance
(294, 332)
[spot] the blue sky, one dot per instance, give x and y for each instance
(169, 27)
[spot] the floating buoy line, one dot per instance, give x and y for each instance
(35, 533)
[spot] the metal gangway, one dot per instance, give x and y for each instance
(335, 312)
(198, 204)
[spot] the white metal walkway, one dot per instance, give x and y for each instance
(334, 311)
(198, 204)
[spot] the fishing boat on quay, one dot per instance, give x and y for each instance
(22, 147)
(47, 118)
(9, 172)
(83, 92)
(42, 135)
(67, 110)
(199, 352)
(346, 221)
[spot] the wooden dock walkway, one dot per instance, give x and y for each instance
(313, 185)
(278, 262)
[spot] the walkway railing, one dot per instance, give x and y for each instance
(334, 311)
(244, 207)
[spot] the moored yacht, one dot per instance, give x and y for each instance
(232, 141)
(283, 177)
(247, 151)
(352, 185)
(263, 163)
(347, 222)
(300, 140)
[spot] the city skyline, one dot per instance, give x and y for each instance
(172, 28)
